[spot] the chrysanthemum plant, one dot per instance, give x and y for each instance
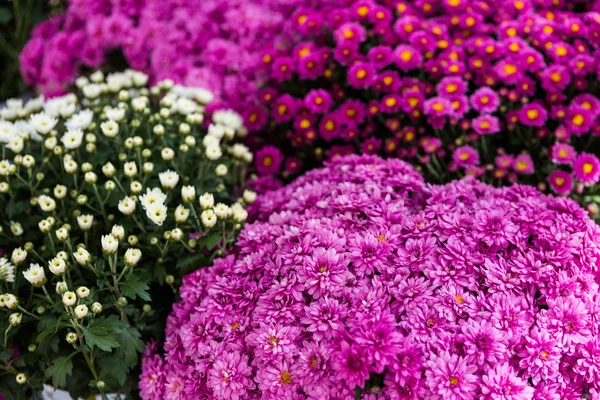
(107, 197)
(503, 90)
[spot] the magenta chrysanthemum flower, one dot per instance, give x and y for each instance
(533, 115)
(503, 383)
(561, 182)
(361, 75)
(268, 160)
(450, 377)
(407, 57)
(465, 156)
(587, 168)
(523, 164)
(485, 100)
(563, 153)
(318, 101)
(486, 125)
(360, 278)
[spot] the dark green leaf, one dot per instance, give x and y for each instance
(113, 370)
(58, 371)
(102, 333)
(134, 289)
(209, 241)
(190, 262)
(5, 15)
(131, 344)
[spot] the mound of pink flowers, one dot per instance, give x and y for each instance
(214, 44)
(360, 280)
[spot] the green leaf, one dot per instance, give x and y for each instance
(102, 333)
(58, 371)
(190, 262)
(211, 240)
(113, 370)
(134, 289)
(131, 344)
(5, 15)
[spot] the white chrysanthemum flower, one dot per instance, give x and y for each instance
(181, 214)
(115, 114)
(188, 193)
(132, 256)
(7, 131)
(207, 200)
(81, 120)
(127, 206)
(35, 104)
(139, 103)
(14, 104)
(139, 78)
(85, 222)
(57, 266)
(222, 211)
(7, 270)
(249, 196)
(157, 213)
(53, 106)
(18, 255)
(46, 203)
(82, 292)
(92, 90)
(130, 169)
(110, 244)
(239, 151)
(228, 118)
(35, 275)
(118, 232)
(81, 311)
(154, 196)
(168, 179)
(16, 144)
(211, 141)
(69, 299)
(217, 131)
(209, 219)
(67, 110)
(8, 113)
(221, 170)
(239, 213)
(82, 256)
(42, 123)
(185, 106)
(213, 153)
(72, 139)
(110, 128)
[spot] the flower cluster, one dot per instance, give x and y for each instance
(359, 281)
(502, 90)
(206, 43)
(107, 198)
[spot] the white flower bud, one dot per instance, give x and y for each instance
(115, 114)
(176, 234)
(109, 170)
(184, 128)
(209, 219)
(109, 185)
(136, 187)
(35, 275)
(82, 292)
(221, 170)
(96, 308)
(91, 177)
(16, 228)
(249, 196)
(16, 144)
(207, 201)
(130, 169)
(50, 143)
(239, 213)
(69, 299)
(60, 191)
(181, 214)
(71, 338)
(167, 154)
(190, 141)
(46, 203)
(132, 257)
(148, 168)
(61, 288)
(118, 232)
(44, 226)
(21, 378)
(82, 256)
(222, 211)
(10, 301)
(4, 187)
(188, 193)
(138, 141)
(28, 161)
(62, 234)
(158, 130)
(109, 244)
(70, 166)
(127, 206)
(81, 311)
(18, 256)
(85, 222)
(15, 319)
(62, 255)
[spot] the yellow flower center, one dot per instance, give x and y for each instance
(578, 120)
(406, 55)
(532, 114)
(588, 168)
(285, 378)
(390, 102)
(267, 161)
(510, 69)
(560, 181)
(453, 380)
